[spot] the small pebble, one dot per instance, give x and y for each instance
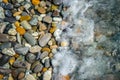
(47, 63)
(5, 45)
(2, 16)
(38, 68)
(43, 55)
(57, 19)
(20, 64)
(12, 38)
(8, 51)
(22, 50)
(12, 32)
(30, 57)
(35, 49)
(44, 40)
(2, 27)
(47, 19)
(34, 21)
(41, 10)
(4, 59)
(10, 19)
(9, 6)
(57, 2)
(26, 25)
(21, 75)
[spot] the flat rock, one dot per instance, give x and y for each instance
(30, 39)
(44, 40)
(4, 38)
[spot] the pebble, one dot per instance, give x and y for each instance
(41, 10)
(4, 59)
(35, 49)
(22, 50)
(47, 19)
(8, 6)
(29, 77)
(2, 16)
(44, 54)
(12, 32)
(2, 27)
(42, 26)
(21, 75)
(26, 25)
(57, 2)
(18, 38)
(47, 75)
(44, 40)
(57, 19)
(8, 26)
(37, 68)
(8, 13)
(19, 1)
(47, 63)
(34, 21)
(10, 19)
(8, 51)
(12, 38)
(5, 45)
(30, 57)
(20, 64)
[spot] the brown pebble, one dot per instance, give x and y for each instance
(41, 10)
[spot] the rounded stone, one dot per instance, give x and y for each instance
(30, 57)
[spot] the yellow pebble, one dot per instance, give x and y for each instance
(54, 7)
(1, 76)
(5, 1)
(44, 69)
(16, 55)
(20, 30)
(25, 18)
(17, 13)
(52, 30)
(12, 60)
(35, 2)
(46, 49)
(17, 24)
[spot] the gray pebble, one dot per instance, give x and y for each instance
(34, 21)
(26, 25)
(44, 40)
(47, 19)
(10, 19)
(57, 2)
(38, 68)
(2, 27)
(30, 57)
(5, 45)
(30, 39)
(4, 59)
(47, 63)
(43, 55)
(22, 50)
(8, 13)
(4, 38)
(20, 64)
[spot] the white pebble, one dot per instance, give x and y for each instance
(12, 32)
(8, 51)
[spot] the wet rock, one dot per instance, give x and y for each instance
(2, 16)
(8, 13)
(4, 59)
(8, 51)
(10, 19)
(47, 19)
(4, 38)
(47, 75)
(35, 49)
(30, 39)
(44, 54)
(22, 50)
(30, 57)
(29, 77)
(34, 21)
(8, 6)
(57, 2)
(5, 45)
(26, 25)
(44, 40)
(47, 63)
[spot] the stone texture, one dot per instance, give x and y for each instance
(8, 51)
(22, 50)
(26, 25)
(4, 38)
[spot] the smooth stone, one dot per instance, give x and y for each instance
(30, 57)
(8, 51)
(21, 75)
(5, 45)
(8, 6)
(18, 38)
(34, 21)
(44, 54)
(57, 2)
(47, 19)
(2, 27)
(4, 59)
(30, 39)
(12, 32)
(12, 38)
(7, 28)
(20, 1)
(57, 19)
(47, 63)
(8, 13)
(29, 77)
(35, 49)
(37, 68)
(38, 55)
(10, 19)
(22, 50)
(2, 16)
(26, 25)
(47, 75)
(20, 64)
(44, 40)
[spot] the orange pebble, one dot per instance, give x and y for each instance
(16, 55)
(20, 30)
(5, 1)
(52, 30)
(35, 2)
(46, 49)
(25, 18)
(17, 24)
(44, 69)
(1, 76)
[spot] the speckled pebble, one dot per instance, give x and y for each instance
(30, 57)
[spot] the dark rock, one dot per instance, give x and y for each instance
(8, 27)
(4, 38)
(8, 6)
(2, 4)
(4, 59)
(10, 19)
(8, 13)
(43, 55)
(30, 57)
